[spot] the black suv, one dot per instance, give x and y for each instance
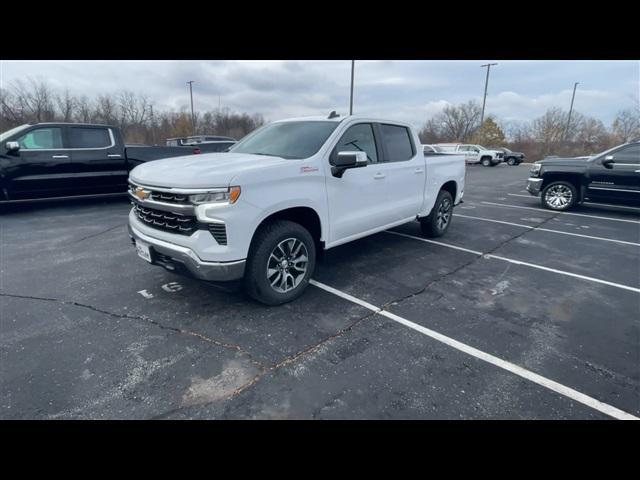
(612, 176)
(512, 158)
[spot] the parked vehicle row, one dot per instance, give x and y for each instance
(264, 210)
(478, 154)
(609, 177)
(47, 160)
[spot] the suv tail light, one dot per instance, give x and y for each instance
(196, 151)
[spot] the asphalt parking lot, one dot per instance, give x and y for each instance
(516, 313)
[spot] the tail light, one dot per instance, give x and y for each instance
(196, 151)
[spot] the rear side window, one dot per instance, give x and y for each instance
(90, 137)
(398, 142)
(41, 139)
(359, 138)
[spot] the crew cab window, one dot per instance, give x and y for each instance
(90, 137)
(464, 149)
(359, 138)
(630, 154)
(41, 139)
(398, 142)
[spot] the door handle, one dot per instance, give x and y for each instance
(637, 171)
(60, 156)
(113, 155)
(418, 170)
(379, 176)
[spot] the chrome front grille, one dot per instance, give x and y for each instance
(167, 221)
(169, 197)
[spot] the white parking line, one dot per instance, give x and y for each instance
(586, 203)
(525, 264)
(562, 213)
(486, 357)
(548, 230)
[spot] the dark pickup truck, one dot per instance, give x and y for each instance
(47, 160)
(612, 176)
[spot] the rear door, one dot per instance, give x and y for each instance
(42, 166)
(404, 167)
(621, 179)
(98, 161)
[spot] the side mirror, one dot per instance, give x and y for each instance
(345, 160)
(12, 146)
(608, 161)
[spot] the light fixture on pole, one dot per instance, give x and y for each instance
(193, 117)
(486, 84)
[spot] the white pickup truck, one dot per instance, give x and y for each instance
(263, 210)
(473, 153)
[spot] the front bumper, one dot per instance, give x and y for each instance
(533, 185)
(183, 260)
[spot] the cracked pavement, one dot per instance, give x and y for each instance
(78, 340)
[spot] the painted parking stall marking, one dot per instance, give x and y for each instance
(541, 229)
(487, 357)
(560, 213)
(519, 262)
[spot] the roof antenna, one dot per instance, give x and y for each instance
(333, 115)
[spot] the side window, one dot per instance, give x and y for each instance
(398, 142)
(359, 138)
(41, 139)
(630, 154)
(89, 137)
(463, 149)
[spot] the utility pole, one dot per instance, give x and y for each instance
(193, 117)
(153, 127)
(575, 85)
(353, 65)
(486, 84)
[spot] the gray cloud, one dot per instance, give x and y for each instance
(408, 90)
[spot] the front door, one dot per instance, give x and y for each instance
(616, 176)
(41, 167)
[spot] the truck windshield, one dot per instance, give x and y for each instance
(9, 133)
(290, 140)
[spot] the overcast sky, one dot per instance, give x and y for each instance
(403, 90)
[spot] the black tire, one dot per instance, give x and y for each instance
(511, 162)
(430, 225)
(486, 162)
(265, 242)
(559, 196)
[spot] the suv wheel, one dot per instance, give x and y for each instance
(511, 162)
(438, 221)
(559, 195)
(281, 261)
(486, 162)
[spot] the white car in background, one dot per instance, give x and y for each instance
(473, 153)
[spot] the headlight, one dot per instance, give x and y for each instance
(535, 169)
(230, 196)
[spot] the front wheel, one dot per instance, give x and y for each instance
(438, 221)
(559, 196)
(511, 162)
(280, 263)
(486, 162)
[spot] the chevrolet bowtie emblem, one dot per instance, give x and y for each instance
(141, 193)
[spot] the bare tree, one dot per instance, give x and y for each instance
(626, 126)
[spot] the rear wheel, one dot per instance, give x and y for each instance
(559, 196)
(486, 161)
(280, 263)
(438, 221)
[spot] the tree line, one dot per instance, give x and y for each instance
(553, 133)
(32, 101)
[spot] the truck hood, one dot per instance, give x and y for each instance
(200, 171)
(565, 162)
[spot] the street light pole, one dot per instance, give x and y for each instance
(575, 85)
(486, 84)
(193, 118)
(353, 63)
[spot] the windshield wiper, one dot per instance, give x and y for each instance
(267, 154)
